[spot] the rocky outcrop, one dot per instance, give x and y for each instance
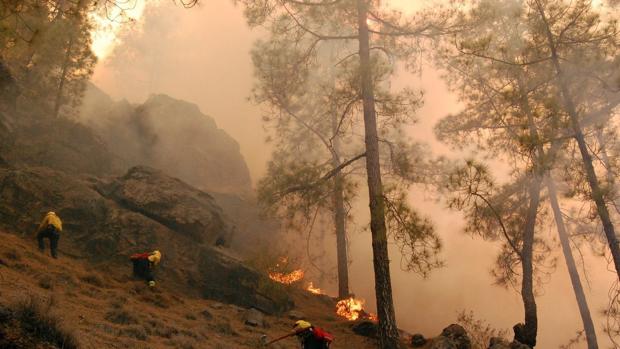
(170, 202)
(106, 221)
(458, 336)
(59, 144)
(452, 337)
(171, 135)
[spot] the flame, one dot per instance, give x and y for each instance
(286, 278)
(109, 20)
(313, 289)
(353, 309)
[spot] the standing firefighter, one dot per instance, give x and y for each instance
(310, 337)
(50, 228)
(143, 264)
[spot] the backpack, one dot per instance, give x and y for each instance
(137, 256)
(322, 335)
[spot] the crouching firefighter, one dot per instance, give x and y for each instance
(143, 265)
(309, 336)
(50, 228)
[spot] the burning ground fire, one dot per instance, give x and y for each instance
(353, 309)
(313, 289)
(286, 278)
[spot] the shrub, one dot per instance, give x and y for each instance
(136, 332)
(37, 321)
(93, 279)
(45, 282)
(120, 317)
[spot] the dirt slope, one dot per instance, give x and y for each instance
(108, 309)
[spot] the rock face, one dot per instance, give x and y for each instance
(59, 144)
(170, 135)
(107, 225)
(170, 202)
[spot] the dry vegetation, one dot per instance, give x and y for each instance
(68, 303)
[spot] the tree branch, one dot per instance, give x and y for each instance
(324, 178)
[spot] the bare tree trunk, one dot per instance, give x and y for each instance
(388, 332)
(582, 302)
(541, 158)
(596, 192)
(604, 155)
(530, 329)
(339, 218)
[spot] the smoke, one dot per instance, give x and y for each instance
(202, 55)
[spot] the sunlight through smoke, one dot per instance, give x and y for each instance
(110, 19)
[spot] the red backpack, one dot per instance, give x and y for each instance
(323, 335)
(137, 256)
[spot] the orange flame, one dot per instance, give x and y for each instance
(353, 309)
(313, 289)
(287, 278)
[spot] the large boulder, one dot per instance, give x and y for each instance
(458, 335)
(170, 202)
(365, 328)
(171, 135)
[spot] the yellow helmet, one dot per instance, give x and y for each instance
(155, 257)
(301, 325)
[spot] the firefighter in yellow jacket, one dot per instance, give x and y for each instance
(50, 228)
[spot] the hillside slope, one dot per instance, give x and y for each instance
(106, 308)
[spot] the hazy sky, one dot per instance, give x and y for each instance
(202, 56)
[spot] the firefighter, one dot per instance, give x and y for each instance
(309, 336)
(50, 228)
(143, 265)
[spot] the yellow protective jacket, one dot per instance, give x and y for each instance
(53, 219)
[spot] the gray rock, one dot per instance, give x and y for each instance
(296, 315)
(206, 314)
(365, 328)
(171, 135)
(442, 343)
(457, 335)
(417, 340)
(518, 345)
(171, 203)
(254, 318)
(217, 305)
(498, 343)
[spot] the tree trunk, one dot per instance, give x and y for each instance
(582, 303)
(543, 162)
(596, 192)
(339, 218)
(388, 332)
(527, 285)
(605, 156)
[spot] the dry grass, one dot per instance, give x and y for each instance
(105, 308)
(35, 321)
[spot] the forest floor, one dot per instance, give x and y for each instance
(109, 309)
